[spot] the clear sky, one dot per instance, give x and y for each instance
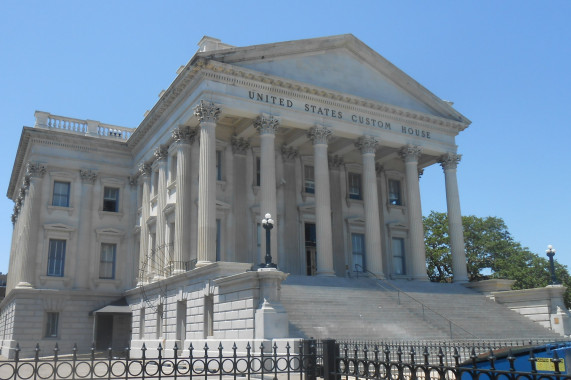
(505, 65)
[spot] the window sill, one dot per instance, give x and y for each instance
(104, 281)
(52, 208)
(65, 281)
(110, 213)
(397, 207)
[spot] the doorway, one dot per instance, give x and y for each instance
(310, 249)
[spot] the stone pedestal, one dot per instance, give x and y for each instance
(270, 318)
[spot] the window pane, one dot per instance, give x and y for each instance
(309, 179)
(354, 186)
(107, 261)
(110, 199)
(258, 171)
(219, 165)
(52, 320)
(61, 194)
(56, 257)
(394, 193)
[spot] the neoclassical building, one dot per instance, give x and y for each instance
(153, 234)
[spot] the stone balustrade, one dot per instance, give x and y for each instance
(83, 127)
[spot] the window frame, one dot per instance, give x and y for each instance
(114, 209)
(56, 272)
(362, 253)
(51, 325)
(113, 261)
(307, 180)
(399, 198)
(59, 195)
(402, 256)
(354, 175)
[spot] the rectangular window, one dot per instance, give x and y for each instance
(358, 247)
(61, 194)
(258, 171)
(110, 199)
(52, 323)
(309, 179)
(395, 197)
(107, 261)
(398, 255)
(172, 171)
(219, 165)
(181, 320)
(208, 316)
(56, 258)
(355, 186)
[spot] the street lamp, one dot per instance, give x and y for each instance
(268, 224)
(550, 253)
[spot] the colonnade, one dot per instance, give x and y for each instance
(267, 126)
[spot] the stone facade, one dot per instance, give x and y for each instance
(324, 134)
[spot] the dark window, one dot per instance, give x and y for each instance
(309, 179)
(258, 170)
(395, 197)
(56, 258)
(398, 256)
(52, 322)
(355, 186)
(110, 199)
(61, 194)
(219, 165)
(358, 248)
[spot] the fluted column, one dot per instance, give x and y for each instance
(207, 114)
(161, 254)
(267, 127)
(184, 136)
(84, 246)
(449, 163)
(145, 173)
(410, 155)
(319, 137)
(33, 182)
(374, 261)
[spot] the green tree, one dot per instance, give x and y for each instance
(491, 252)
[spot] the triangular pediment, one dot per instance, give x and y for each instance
(340, 63)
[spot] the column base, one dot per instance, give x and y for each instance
(24, 285)
(325, 274)
(200, 264)
(462, 280)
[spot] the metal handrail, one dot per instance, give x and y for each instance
(380, 282)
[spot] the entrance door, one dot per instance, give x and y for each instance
(310, 249)
(104, 337)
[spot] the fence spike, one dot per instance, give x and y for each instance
(511, 360)
(556, 360)
(36, 351)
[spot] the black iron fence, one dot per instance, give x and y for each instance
(304, 360)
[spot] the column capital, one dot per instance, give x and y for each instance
(184, 134)
(288, 152)
(87, 176)
(240, 145)
(410, 152)
(145, 170)
(207, 112)
(161, 153)
(266, 125)
(319, 135)
(367, 144)
(35, 170)
(450, 160)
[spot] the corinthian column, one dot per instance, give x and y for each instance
(184, 136)
(30, 217)
(267, 127)
(145, 173)
(207, 114)
(449, 162)
(410, 155)
(374, 261)
(319, 136)
(161, 254)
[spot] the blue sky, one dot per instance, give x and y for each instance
(504, 64)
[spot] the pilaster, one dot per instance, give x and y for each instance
(162, 248)
(84, 242)
(145, 173)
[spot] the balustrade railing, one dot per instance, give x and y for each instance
(83, 127)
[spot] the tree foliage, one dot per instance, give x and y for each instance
(491, 252)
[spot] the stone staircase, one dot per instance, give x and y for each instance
(369, 309)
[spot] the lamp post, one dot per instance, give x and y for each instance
(268, 224)
(550, 253)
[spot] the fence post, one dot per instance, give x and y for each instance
(330, 359)
(310, 358)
